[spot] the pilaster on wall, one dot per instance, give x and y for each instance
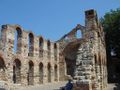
(8, 39)
(25, 44)
(58, 61)
(36, 47)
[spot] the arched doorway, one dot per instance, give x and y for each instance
(17, 71)
(31, 73)
(41, 74)
(70, 56)
(2, 69)
(55, 73)
(49, 72)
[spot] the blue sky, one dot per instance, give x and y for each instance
(51, 18)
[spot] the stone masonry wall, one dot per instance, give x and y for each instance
(26, 59)
(24, 68)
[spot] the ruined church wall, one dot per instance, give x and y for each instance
(9, 56)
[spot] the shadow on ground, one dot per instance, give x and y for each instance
(117, 86)
(2, 89)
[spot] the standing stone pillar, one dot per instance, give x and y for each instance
(83, 68)
(24, 74)
(45, 75)
(36, 74)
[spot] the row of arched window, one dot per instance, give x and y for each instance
(18, 43)
(30, 74)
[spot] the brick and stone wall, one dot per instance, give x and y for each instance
(27, 59)
(87, 55)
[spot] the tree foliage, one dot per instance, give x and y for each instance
(111, 25)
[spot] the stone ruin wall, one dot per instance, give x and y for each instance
(31, 57)
(35, 55)
(90, 55)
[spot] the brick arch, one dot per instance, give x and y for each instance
(48, 44)
(17, 71)
(2, 69)
(18, 26)
(2, 63)
(19, 30)
(41, 42)
(17, 39)
(17, 57)
(55, 46)
(48, 48)
(30, 76)
(41, 46)
(31, 43)
(41, 72)
(79, 33)
(55, 51)
(55, 72)
(49, 67)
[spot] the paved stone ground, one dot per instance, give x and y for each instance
(110, 86)
(113, 87)
(56, 86)
(49, 86)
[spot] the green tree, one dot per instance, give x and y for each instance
(111, 25)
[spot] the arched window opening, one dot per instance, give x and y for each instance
(78, 34)
(2, 69)
(31, 44)
(55, 73)
(49, 72)
(17, 71)
(30, 76)
(96, 65)
(48, 45)
(2, 64)
(41, 47)
(49, 48)
(55, 51)
(95, 60)
(41, 42)
(41, 74)
(17, 40)
(100, 64)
